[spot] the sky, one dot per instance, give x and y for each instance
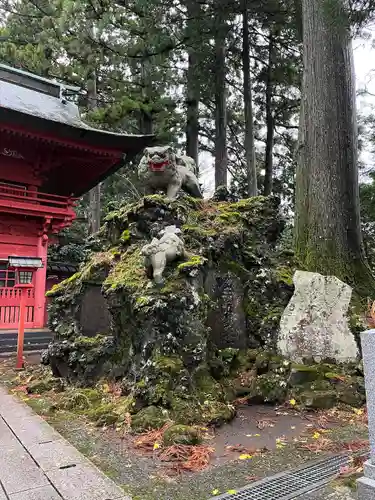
(364, 62)
(365, 79)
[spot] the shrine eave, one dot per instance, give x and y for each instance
(83, 137)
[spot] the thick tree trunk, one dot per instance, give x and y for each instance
(192, 84)
(94, 194)
(221, 153)
(268, 160)
(327, 227)
(251, 168)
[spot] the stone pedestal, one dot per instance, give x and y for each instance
(366, 484)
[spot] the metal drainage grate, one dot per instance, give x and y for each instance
(288, 485)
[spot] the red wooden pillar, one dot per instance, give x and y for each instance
(40, 283)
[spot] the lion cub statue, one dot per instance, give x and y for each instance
(161, 169)
(166, 248)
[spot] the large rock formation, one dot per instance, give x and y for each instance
(171, 346)
(314, 325)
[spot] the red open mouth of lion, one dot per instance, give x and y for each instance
(157, 166)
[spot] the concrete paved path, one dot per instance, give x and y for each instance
(37, 463)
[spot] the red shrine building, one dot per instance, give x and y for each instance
(48, 158)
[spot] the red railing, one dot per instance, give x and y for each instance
(10, 307)
(13, 193)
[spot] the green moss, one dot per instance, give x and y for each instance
(80, 400)
(158, 198)
(194, 262)
(151, 417)
(128, 273)
(230, 217)
(248, 204)
(168, 364)
(252, 308)
(89, 342)
(217, 412)
(186, 411)
(125, 236)
(97, 269)
(143, 301)
(182, 434)
(61, 287)
(103, 414)
(44, 385)
(198, 231)
(284, 275)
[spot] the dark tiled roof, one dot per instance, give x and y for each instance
(40, 98)
(62, 268)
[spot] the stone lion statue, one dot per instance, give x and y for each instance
(162, 169)
(162, 250)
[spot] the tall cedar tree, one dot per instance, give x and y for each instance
(327, 227)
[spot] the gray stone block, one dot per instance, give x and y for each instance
(369, 470)
(366, 489)
(85, 482)
(18, 472)
(43, 493)
(2, 494)
(55, 454)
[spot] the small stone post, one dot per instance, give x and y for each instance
(366, 484)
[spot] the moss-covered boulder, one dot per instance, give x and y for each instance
(319, 399)
(151, 417)
(182, 434)
(168, 345)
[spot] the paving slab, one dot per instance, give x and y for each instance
(6, 435)
(55, 454)
(37, 463)
(2, 494)
(43, 493)
(32, 430)
(12, 410)
(18, 471)
(84, 482)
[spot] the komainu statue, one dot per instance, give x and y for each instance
(161, 169)
(161, 251)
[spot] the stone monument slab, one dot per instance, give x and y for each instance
(314, 324)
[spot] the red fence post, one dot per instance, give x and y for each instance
(21, 330)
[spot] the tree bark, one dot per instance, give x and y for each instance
(94, 193)
(192, 85)
(145, 120)
(251, 168)
(327, 226)
(268, 160)
(221, 153)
